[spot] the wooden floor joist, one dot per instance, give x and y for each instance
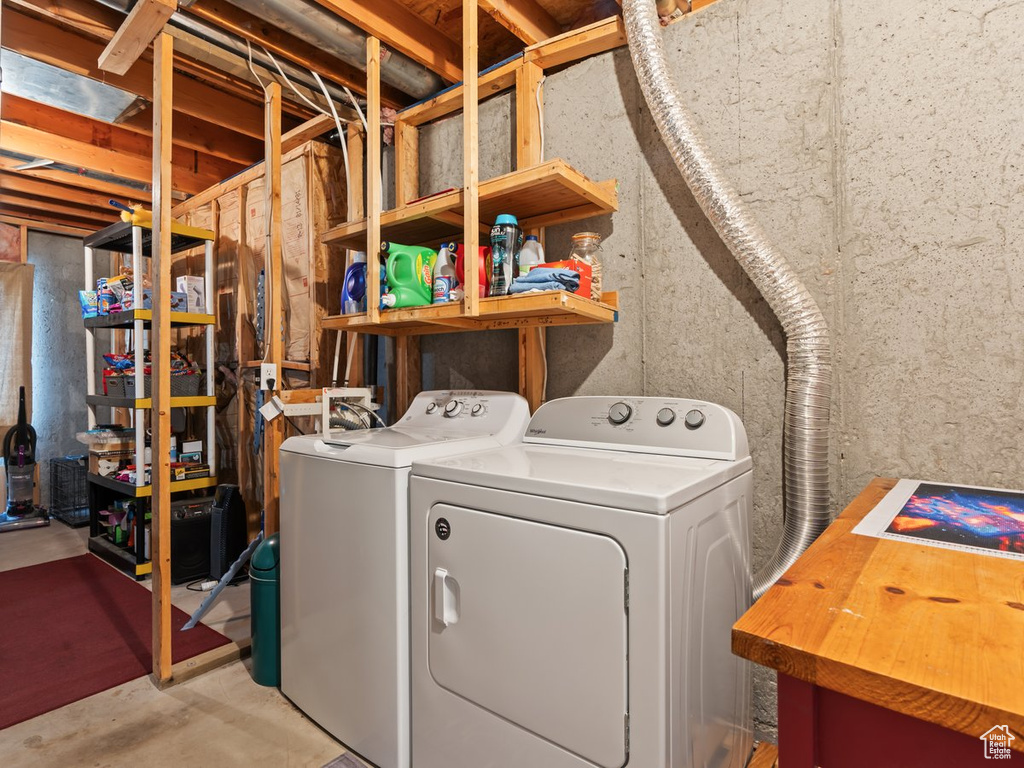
(64, 48)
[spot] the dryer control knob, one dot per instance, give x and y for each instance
(694, 419)
(478, 410)
(432, 408)
(452, 408)
(666, 416)
(619, 413)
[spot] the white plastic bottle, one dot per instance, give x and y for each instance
(444, 280)
(531, 255)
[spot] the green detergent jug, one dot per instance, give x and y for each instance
(409, 273)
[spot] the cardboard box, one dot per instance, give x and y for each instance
(179, 302)
(128, 300)
(190, 471)
(195, 290)
(107, 462)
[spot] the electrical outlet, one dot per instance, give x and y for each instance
(268, 376)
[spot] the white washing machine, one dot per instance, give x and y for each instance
(344, 562)
(573, 596)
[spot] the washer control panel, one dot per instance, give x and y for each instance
(474, 411)
(670, 426)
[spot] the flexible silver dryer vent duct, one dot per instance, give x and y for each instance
(809, 381)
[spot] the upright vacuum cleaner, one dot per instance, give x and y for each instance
(19, 452)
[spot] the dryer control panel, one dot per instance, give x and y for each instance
(667, 426)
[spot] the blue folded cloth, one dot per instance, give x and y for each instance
(546, 279)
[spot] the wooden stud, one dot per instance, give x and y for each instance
(136, 32)
(529, 151)
(404, 30)
(532, 365)
(526, 19)
(245, 348)
(408, 372)
(373, 180)
(407, 162)
(408, 376)
(471, 157)
(356, 141)
(23, 237)
(273, 328)
(356, 210)
(160, 346)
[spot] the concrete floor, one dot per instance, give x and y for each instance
(221, 718)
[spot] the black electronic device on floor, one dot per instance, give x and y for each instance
(228, 535)
(190, 540)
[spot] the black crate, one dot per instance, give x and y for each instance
(69, 491)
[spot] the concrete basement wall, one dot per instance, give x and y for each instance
(878, 145)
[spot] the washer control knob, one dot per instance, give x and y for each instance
(694, 419)
(619, 413)
(432, 408)
(452, 408)
(666, 416)
(478, 410)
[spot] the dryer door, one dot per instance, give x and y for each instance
(528, 621)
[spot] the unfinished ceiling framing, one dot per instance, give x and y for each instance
(76, 104)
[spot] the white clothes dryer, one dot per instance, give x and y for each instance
(573, 595)
(344, 562)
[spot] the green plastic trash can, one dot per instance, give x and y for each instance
(265, 616)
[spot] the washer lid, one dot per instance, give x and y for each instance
(640, 482)
(391, 447)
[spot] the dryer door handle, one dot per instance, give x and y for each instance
(446, 598)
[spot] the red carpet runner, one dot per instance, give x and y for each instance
(71, 628)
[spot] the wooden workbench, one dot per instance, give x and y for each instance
(891, 653)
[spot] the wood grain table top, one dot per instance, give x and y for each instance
(934, 633)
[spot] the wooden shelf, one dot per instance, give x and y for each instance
(197, 401)
(547, 309)
(147, 490)
(127, 319)
(544, 195)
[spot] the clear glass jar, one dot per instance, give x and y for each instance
(586, 246)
